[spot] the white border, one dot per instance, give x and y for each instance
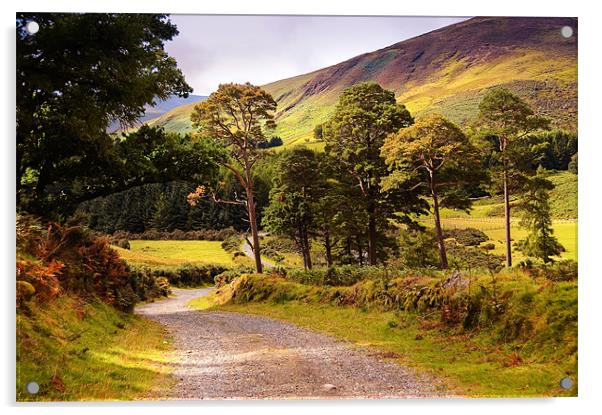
(589, 197)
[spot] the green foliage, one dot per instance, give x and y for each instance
(342, 275)
(186, 275)
(365, 114)
(541, 242)
(468, 258)
(176, 235)
(560, 147)
(565, 270)
(418, 248)
(64, 153)
(232, 243)
(85, 350)
(468, 236)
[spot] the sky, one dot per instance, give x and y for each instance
(261, 49)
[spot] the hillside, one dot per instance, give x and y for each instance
(161, 108)
(447, 71)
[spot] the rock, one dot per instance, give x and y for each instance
(328, 387)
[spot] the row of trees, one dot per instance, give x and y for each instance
(379, 165)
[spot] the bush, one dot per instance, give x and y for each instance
(467, 237)
(566, 270)
(123, 243)
(70, 258)
(189, 275)
(463, 257)
(343, 275)
(228, 276)
(488, 247)
(177, 235)
(232, 243)
(418, 249)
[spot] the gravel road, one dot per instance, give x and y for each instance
(247, 249)
(224, 355)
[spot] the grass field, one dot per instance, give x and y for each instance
(175, 253)
(564, 230)
(78, 350)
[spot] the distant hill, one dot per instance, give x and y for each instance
(161, 108)
(446, 71)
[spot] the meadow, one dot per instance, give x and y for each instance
(167, 254)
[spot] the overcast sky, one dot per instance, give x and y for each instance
(260, 49)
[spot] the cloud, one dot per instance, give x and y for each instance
(214, 49)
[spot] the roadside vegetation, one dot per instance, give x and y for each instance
(510, 334)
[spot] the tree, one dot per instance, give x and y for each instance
(365, 114)
(319, 132)
(298, 187)
(75, 76)
(508, 121)
(236, 116)
(541, 242)
(435, 156)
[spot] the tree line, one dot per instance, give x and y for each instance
(380, 165)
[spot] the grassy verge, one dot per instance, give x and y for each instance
(78, 350)
(473, 363)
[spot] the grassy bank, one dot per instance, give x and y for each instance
(523, 352)
(78, 350)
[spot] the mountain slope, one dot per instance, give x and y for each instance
(446, 71)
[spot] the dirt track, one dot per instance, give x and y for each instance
(229, 355)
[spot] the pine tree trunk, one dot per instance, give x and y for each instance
(328, 249)
(360, 251)
(254, 230)
(507, 219)
(307, 250)
(438, 229)
(371, 237)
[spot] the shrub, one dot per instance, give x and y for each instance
(566, 270)
(280, 244)
(467, 237)
(189, 275)
(232, 243)
(463, 257)
(228, 276)
(343, 275)
(418, 249)
(123, 243)
(69, 257)
(488, 247)
(179, 235)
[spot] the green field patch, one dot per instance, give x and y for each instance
(175, 253)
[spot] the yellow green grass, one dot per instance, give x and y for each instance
(175, 253)
(468, 364)
(78, 350)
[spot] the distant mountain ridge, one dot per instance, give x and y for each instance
(447, 71)
(161, 108)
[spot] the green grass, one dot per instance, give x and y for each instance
(175, 253)
(470, 364)
(487, 216)
(78, 350)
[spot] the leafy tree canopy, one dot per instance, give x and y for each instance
(75, 76)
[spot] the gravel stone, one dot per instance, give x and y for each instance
(221, 355)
